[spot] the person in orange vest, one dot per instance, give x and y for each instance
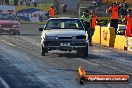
(52, 11)
(128, 19)
(114, 10)
(94, 20)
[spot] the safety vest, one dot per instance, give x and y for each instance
(86, 19)
(114, 12)
(128, 26)
(129, 21)
(93, 22)
(52, 12)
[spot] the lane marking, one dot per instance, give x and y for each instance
(4, 83)
(35, 43)
(8, 43)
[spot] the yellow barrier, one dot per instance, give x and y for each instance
(120, 42)
(129, 43)
(96, 36)
(108, 36)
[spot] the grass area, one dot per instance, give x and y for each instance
(39, 23)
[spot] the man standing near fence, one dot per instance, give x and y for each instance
(86, 19)
(52, 11)
(124, 8)
(128, 19)
(114, 10)
(93, 24)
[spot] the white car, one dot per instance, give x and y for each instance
(65, 34)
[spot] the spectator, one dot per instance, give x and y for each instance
(52, 11)
(128, 18)
(56, 6)
(94, 3)
(93, 23)
(28, 3)
(98, 2)
(114, 10)
(35, 4)
(64, 8)
(47, 15)
(21, 2)
(124, 8)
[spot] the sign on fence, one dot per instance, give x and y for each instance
(7, 9)
(129, 43)
(32, 15)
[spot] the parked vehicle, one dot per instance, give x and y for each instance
(9, 23)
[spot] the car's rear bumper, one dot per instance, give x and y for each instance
(9, 30)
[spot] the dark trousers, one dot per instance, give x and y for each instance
(90, 34)
(114, 24)
(90, 31)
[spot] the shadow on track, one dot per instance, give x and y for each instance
(74, 55)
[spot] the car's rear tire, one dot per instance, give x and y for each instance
(14, 33)
(18, 33)
(43, 51)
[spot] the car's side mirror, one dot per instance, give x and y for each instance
(41, 29)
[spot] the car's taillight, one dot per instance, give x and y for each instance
(14, 26)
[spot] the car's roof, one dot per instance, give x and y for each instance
(64, 18)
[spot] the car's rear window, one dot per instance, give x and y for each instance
(64, 24)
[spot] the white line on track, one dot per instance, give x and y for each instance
(4, 83)
(35, 43)
(8, 43)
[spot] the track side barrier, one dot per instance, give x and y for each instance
(96, 36)
(129, 44)
(108, 36)
(120, 42)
